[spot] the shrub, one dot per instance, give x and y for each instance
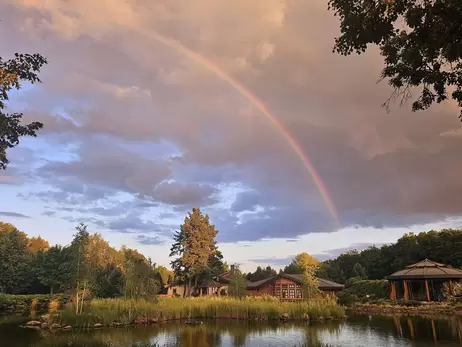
(25, 303)
(363, 291)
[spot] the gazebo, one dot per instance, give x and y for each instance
(424, 274)
(209, 288)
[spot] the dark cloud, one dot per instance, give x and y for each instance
(13, 214)
(161, 131)
(49, 213)
(148, 240)
(184, 194)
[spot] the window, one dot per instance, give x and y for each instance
(174, 291)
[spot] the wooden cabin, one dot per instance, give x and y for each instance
(289, 287)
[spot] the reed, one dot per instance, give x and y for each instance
(107, 311)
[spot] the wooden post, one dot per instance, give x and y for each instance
(393, 291)
(406, 291)
(427, 290)
(451, 291)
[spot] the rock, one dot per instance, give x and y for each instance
(116, 324)
(98, 325)
(141, 320)
(67, 328)
(33, 323)
(44, 326)
(306, 316)
(55, 326)
(285, 316)
(153, 320)
(45, 318)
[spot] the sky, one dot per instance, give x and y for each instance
(240, 108)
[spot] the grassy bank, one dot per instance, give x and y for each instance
(143, 312)
(24, 304)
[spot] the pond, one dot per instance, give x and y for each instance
(356, 330)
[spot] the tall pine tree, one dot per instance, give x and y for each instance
(194, 246)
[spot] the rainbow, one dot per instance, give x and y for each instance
(209, 65)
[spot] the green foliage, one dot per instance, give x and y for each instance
(363, 291)
(25, 303)
(292, 269)
(441, 246)
(261, 274)
(359, 271)
(419, 39)
(310, 284)
(87, 268)
(194, 246)
(53, 268)
(236, 288)
(141, 281)
(15, 260)
(22, 68)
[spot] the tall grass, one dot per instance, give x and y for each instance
(127, 312)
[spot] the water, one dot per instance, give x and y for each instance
(367, 331)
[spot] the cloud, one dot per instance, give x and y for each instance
(14, 214)
(137, 131)
(274, 261)
(148, 240)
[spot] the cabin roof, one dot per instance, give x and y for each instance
(426, 269)
(298, 278)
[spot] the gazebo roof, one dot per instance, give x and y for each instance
(426, 269)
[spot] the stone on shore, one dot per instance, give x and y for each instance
(33, 323)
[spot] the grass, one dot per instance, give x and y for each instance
(127, 312)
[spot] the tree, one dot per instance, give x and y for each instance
(306, 261)
(308, 265)
(22, 68)
(236, 287)
(261, 274)
(292, 268)
(37, 244)
(15, 260)
(193, 245)
(359, 271)
(141, 280)
(419, 39)
(53, 268)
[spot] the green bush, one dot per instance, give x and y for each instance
(363, 291)
(25, 303)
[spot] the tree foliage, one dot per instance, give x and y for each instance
(261, 274)
(421, 41)
(443, 246)
(87, 267)
(195, 249)
(13, 72)
(236, 287)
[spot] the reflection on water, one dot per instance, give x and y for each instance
(356, 331)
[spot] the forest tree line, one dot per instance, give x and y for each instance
(88, 265)
(376, 263)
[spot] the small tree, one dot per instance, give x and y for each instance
(236, 287)
(308, 265)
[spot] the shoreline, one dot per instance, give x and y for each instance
(422, 310)
(42, 324)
